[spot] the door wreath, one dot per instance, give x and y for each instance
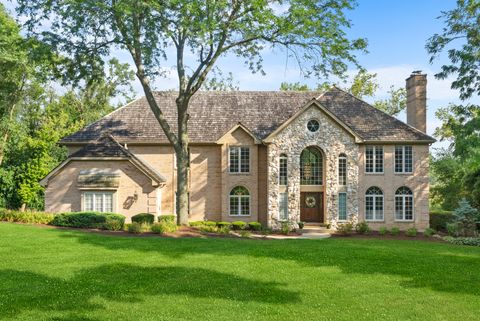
(310, 201)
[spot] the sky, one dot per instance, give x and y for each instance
(396, 31)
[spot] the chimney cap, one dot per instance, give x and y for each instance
(416, 72)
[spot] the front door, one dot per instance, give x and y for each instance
(311, 207)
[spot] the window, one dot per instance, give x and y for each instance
(239, 201)
(313, 125)
(403, 159)
(311, 164)
(374, 159)
(342, 206)
(239, 160)
(404, 204)
(98, 201)
(374, 204)
(282, 170)
(342, 169)
(283, 206)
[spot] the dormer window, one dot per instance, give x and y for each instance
(313, 125)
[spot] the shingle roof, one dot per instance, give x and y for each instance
(213, 113)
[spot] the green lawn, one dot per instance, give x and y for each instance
(50, 274)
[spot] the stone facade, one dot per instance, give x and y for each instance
(332, 140)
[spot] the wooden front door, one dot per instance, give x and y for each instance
(311, 207)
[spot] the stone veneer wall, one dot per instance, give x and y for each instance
(332, 140)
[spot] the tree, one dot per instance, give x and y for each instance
(364, 84)
(218, 81)
(311, 32)
(461, 35)
(395, 103)
(286, 86)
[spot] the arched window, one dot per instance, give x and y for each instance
(342, 169)
(374, 204)
(239, 201)
(311, 164)
(404, 204)
(282, 170)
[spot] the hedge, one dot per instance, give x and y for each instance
(98, 220)
(440, 219)
(167, 219)
(26, 217)
(144, 218)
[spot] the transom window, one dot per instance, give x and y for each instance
(374, 159)
(374, 204)
(342, 169)
(404, 204)
(239, 201)
(282, 170)
(98, 201)
(403, 159)
(283, 207)
(313, 125)
(239, 160)
(311, 166)
(342, 206)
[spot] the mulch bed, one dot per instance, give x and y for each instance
(401, 236)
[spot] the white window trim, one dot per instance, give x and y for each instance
(278, 201)
(403, 159)
(403, 208)
(346, 214)
(239, 159)
(375, 160)
(239, 207)
(279, 159)
(103, 192)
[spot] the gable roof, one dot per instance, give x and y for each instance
(107, 148)
(214, 113)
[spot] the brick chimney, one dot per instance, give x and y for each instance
(417, 101)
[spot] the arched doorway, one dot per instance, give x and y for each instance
(311, 181)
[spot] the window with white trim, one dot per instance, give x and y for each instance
(403, 159)
(98, 201)
(404, 204)
(342, 206)
(239, 201)
(282, 170)
(374, 204)
(373, 159)
(342, 169)
(239, 159)
(283, 207)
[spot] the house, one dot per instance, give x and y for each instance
(256, 156)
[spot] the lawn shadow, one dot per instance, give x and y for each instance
(422, 264)
(127, 283)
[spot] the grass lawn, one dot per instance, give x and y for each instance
(53, 274)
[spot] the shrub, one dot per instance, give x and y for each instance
(301, 225)
(285, 228)
(167, 219)
(383, 231)
(223, 224)
(395, 231)
(135, 228)
(362, 227)
(453, 229)
(88, 220)
(239, 225)
(144, 218)
(345, 228)
(26, 217)
(254, 226)
(224, 230)
(266, 231)
(210, 223)
(208, 228)
(113, 224)
(468, 217)
(439, 220)
(411, 232)
(196, 223)
(429, 232)
(164, 227)
(470, 241)
(245, 233)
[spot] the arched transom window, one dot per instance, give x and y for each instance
(404, 204)
(311, 167)
(374, 204)
(239, 201)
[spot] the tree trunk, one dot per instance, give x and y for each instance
(183, 162)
